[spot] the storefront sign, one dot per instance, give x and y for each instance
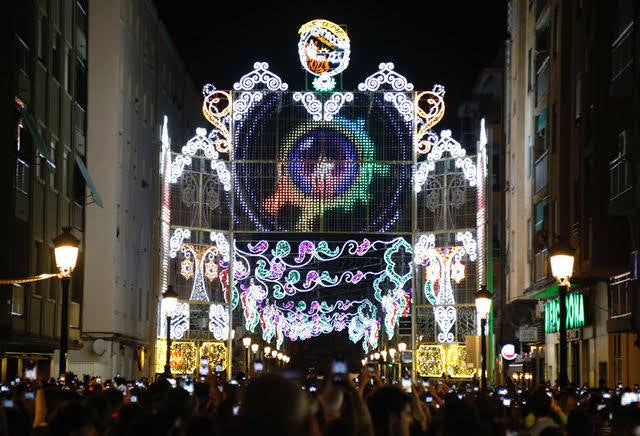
(509, 352)
(575, 313)
(528, 334)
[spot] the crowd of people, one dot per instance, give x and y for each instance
(334, 405)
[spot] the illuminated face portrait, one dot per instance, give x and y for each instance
(324, 48)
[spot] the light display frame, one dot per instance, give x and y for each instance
(336, 171)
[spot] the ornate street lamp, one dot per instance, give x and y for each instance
(561, 260)
(169, 304)
(483, 307)
(66, 253)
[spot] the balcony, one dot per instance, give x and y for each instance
(621, 186)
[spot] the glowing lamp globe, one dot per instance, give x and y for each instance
(66, 251)
(483, 302)
(246, 341)
(169, 301)
(561, 260)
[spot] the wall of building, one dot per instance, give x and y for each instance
(135, 77)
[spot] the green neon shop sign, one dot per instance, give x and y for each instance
(575, 313)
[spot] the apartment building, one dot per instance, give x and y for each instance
(571, 92)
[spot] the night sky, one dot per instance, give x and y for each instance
(444, 42)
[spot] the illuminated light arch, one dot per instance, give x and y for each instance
(290, 299)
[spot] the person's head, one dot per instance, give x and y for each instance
(72, 418)
(275, 405)
(390, 410)
(567, 400)
(580, 423)
(460, 416)
(539, 402)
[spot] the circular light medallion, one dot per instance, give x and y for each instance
(324, 48)
(509, 352)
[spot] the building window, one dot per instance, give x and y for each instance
(55, 57)
(81, 83)
(39, 267)
(22, 177)
(22, 56)
(42, 40)
(52, 174)
(64, 177)
(69, 59)
(17, 300)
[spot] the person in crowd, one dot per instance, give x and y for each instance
(460, 416)
(276, 406)
(344, 411)
(580, 423)
(390, 410)
(540, 404)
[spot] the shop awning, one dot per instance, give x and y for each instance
(34, 130)
(87, 178)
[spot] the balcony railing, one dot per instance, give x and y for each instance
(622, 52)
(542, 80)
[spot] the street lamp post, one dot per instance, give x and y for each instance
(402, 346)
(483, 307)
(246, 341)
(562, 268)
(66, 253)
(267, 355)
(392, 354)
(254, 349)
(169, 303)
